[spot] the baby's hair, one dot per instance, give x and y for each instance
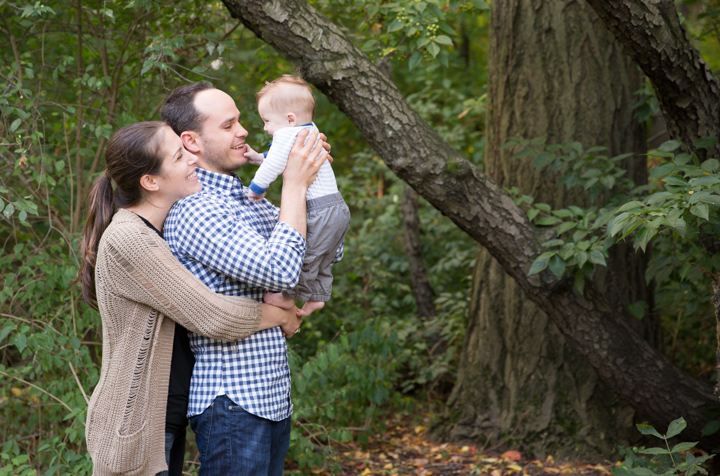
(289, 93)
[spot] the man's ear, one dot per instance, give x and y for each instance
(189, 140)
(291, 119)
(149, 183)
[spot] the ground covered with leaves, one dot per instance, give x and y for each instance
(406, 449)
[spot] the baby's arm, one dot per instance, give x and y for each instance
(275, 161)
(253, 157)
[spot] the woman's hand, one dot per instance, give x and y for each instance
(286, 319)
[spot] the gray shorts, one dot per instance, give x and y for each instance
(328, 219)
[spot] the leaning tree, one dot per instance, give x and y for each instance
(631, 368)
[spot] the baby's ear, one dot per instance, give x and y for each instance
(291, 119)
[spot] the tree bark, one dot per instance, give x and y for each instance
(687, 90)
(553, 71)
(630, 366)
(418, 274)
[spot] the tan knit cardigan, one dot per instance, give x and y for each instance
(140, 283)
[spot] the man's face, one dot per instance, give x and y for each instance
(222, 137)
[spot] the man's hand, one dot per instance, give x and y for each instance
(305, 159)
(253, 157)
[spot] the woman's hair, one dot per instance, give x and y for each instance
(132, 152)
(288, 93)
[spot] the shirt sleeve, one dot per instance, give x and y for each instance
(208, 232)
(340, 253)
(155, 278)
(276, 159)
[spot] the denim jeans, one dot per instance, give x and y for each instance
(174, 453)
(234, 442)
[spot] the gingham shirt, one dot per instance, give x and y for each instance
(237, 247)
(276, 160)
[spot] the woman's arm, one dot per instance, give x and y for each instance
(141, 268)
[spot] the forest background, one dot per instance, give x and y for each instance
(413, 325)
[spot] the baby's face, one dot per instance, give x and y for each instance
(273, 119)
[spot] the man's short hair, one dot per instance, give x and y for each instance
(288, 93)
(179, 109)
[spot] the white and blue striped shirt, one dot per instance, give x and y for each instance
(237, 247)
(276, 160)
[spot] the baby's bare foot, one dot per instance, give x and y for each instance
(278, 300)
(310, 307)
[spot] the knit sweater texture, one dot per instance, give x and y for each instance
(141, 290)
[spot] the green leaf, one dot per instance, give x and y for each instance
(581, 258)
(597, 257)
(19, 341)
(443, 40)
(481, 5)
(706, 142)
(710, 427)
(630, 205)
(544, 207)
(673, 180)
(532, 213)
(710, 165)
(648, 430)
(681, 227)
(712, 199)
(637, 309)
(547, 221)
(415, 60)
(670, 145)
(539, 265)
(566, 226)
(676, 426)
(557, 266)
(706, 180)
(579, 282)
(6, 331)
(683, 447)
(15, 124)
(701, 210)
(433, 49)
(656, 197)
(654, 451)
(395, 26)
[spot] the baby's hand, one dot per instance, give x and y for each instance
(254, 196)
(253, 157)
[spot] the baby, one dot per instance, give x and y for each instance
(287, 106)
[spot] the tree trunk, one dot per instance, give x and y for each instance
(418, 274)
(632, 368)
(554, 71)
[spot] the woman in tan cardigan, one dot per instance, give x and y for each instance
(142, 291)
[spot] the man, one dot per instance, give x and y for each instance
(239, 404)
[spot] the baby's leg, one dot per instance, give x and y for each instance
(278, 300)
(310, 307)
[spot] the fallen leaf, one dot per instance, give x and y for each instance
(550, 459)
(514, 467)
(418, 429)
(496, 472)
(388, 466)
(512, 455)
(366, 472)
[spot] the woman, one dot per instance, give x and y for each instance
(129, 273)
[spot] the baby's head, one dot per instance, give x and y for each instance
(286, 102)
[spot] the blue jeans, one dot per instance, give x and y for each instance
(174, 453)
(234, 442)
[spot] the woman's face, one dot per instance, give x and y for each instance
(177, 178)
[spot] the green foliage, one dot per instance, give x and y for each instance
(663, 461)
(419, 31)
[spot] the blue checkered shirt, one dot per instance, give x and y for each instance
(237, 247)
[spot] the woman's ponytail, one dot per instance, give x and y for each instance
(100, 213)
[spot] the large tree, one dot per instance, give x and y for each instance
(554, 71)
(631, 367)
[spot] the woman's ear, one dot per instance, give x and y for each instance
(190, 142)
(291, 119)
(149, 183)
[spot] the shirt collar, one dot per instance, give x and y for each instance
(219, 181)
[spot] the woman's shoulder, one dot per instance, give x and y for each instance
(127, 228)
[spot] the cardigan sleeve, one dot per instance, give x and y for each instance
(145, 271)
